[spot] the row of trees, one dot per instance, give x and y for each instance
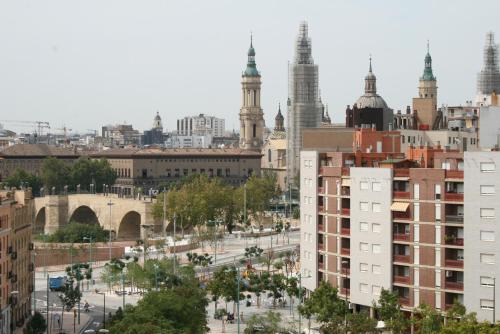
(331, 311)
(200, 200)
(58, 173)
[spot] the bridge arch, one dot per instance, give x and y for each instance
(130, 226)
(39, 221)
(84, 215)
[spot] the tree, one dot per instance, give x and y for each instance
(71, 293)
(55, 173)
(75, 232)
(427, 320)
(260, 191)
(37, 324)
(86, 171)
(20, 178)
(267, 323)
(361, 323)
(325, 304)
(390, 312)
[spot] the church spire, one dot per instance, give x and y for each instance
(251, 69)
(370, 80)
(279, 120)
(428, 75)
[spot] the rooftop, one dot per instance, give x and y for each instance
(38, 150)
(149, 152)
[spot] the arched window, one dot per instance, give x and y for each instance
(269, 155)
(254, 130)
(254, 97)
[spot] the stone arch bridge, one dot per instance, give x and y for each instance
(129, 218)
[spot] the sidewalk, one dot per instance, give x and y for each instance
(69, 323)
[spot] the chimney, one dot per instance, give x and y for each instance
(390, 126)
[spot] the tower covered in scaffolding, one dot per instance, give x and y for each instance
(488, 80)
(304, 105)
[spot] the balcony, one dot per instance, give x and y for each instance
(346, 171)
(321, 247)
(321, 265)
(321, 190)
(345, 271)
(345, 291)
(402, 258)
(454, 197)
(400, 172)
(345, 231)
(401, 279)
(454, 285)
(321, 208)
(345, 191)
(401, 194)
(401, 237)
(448, 240)
(321, 227)
(345, 211)
(345, 251)
(401, 215)
(454, 174)
(404, 301)
(454, 263)
(455, 219)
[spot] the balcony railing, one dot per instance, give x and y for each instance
(400, 172)
(401, 194)
(345, 251)
(404, 301)
(454, 285)
(454, 263)
(345, 231)
(401, 237)
(345, 211)
(345, 191)
(321, 265)
(401, 215)
(454, 219)
(454, 174)
(402, 258)
(345, 271)
(321, 247)
(402, 279)
(346, 171)
(453, 241)
(454, 197)
(345, 291)
(321, 208)
(321, 190)
(321, 227)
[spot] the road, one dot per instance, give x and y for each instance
(233, 249)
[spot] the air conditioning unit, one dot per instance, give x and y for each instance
(448, 273)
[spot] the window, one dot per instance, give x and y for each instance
(376, 290)
(269, 155)
(376, 228)
(487, 213)
(363, 206)
(376, 249)
(376, 269)
(487, 167)
(487, 304)
(487, 236)
(437, 191)
(363, 185)
(254, 130)
(437, 212)
(363, 246)
(363, 287)
(376, 207)
(487, 281)
(363, 227)
(487, 258)
(363, 267)
(487, 190)
(376, 186)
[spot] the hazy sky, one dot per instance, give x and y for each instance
(88, 63)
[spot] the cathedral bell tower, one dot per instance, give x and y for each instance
(251, 115)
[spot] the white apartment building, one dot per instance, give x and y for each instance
(455, 140)
(201, 125)
(489, 131)
(481, 248)
(309, 219)
(193, 141)
(371, 233)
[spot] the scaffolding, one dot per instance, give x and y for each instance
(488, 80)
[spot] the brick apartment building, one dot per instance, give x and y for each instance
(16, 267)
(373, 219)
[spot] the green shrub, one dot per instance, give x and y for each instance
(75, 232)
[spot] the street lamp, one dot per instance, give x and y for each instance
(90, 239)
(110, 204)
(104, 311)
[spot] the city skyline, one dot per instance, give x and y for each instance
(68, 65)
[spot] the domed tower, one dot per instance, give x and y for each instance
(426, 103)
(488, 80)
(279, 121)
(251, 115)
(157, 121)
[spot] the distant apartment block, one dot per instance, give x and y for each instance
(201, 125)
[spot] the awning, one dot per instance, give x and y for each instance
(346, 182)
(400, 206)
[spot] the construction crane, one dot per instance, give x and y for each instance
(65, 130)
(39, 125)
